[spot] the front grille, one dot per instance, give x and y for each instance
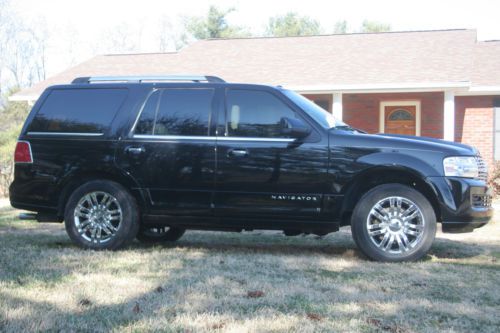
(482, 168)
(481, 200)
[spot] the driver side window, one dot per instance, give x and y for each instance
(256, 114)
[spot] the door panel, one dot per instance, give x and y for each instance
(261, 171)
(178, 174)
(273, 178)
(170, 153)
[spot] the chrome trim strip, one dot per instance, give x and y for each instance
(174, 137)
(209, 138)
(65, 133)
(238, 138)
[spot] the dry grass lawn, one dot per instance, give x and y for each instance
(250, 282)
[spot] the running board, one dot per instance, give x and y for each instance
(40, 217)
(28, 216)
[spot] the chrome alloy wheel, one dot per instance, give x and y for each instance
(97, 217)
(395, 224)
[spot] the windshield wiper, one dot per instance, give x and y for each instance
(347, 128)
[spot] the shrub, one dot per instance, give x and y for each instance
(13, 115)
(495, 179)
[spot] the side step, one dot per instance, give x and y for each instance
(28, 216)
(40, 217)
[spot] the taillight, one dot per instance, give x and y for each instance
(23, 152)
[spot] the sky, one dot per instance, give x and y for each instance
(77, 30)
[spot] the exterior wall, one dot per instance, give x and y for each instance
(325, 98)
(474, 116)
(362, 110)
(474, 121)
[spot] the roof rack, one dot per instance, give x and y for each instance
(140, 79)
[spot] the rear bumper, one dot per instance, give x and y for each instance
(464, 204)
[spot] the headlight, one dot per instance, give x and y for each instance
(461, 166)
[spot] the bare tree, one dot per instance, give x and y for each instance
(6, 34)
(40, 38)
(22, 48)
(170, 37)
(124, 37)
(72, 41)
(26, 55)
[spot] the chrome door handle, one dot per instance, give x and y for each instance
(237, 153)
(135, 150)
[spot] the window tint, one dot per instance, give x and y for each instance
(78, 110)
(146, 122)
(180, 112)
(255, 114)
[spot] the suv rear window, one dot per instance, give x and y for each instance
(179, 112)
(78, 110)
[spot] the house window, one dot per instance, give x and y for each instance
(400, 114)
(496, 110)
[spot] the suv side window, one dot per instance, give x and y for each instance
(253, 113)
(179, 112)
(78, 110)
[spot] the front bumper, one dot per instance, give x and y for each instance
(464, 204)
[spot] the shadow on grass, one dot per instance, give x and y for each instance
(261, 243)
(453, 249)
(258, 242)
(366, 284)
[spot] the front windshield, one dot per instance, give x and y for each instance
(322, 117)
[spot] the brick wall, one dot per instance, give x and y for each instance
(473, 116)
(474, 124)
(362, 110)
(325, 98)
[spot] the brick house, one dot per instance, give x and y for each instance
(441, 84)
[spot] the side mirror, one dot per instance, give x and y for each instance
(294, 128)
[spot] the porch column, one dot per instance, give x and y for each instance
(449, 116)
(337, 105)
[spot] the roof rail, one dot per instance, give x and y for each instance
(140, 79)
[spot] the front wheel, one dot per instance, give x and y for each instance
(393, 223)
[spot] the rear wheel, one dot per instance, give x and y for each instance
(160, 234)
(101, 215)
(393, 222)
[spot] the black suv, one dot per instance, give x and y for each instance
(123, 157)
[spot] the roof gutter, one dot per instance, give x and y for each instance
(480, 90)
(384, 87)
(460, 89)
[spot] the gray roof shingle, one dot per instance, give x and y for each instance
(431, 57)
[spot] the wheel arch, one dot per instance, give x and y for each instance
(380, 175)
(78, 178)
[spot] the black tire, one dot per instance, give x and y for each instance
(160, 234)
(124, 231)
(393, 221)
